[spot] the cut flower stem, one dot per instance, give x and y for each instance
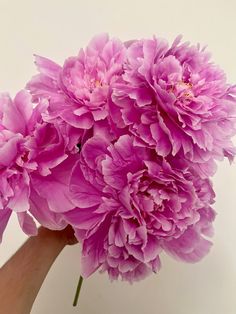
(77, 293)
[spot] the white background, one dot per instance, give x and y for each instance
(57, 29)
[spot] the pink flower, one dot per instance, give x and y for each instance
(78, 91)
(175, 100)
(31, 152)
(14, 184)
(132, 204)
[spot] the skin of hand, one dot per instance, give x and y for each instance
(23, 274)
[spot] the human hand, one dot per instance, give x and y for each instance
(66, 236)
(22, 276)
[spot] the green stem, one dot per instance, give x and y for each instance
(78, 291)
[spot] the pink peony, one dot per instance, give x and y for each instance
(32, 152)
(132, 204)
(78, 91)
(175, 100)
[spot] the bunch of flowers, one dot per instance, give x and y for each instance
(119, 143)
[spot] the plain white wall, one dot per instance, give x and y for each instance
(57, 29)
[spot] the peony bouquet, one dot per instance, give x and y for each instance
(119, 143)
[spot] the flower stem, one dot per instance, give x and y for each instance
(78, 291)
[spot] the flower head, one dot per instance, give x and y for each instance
(30, 153)
(78, 91)
(175, 100)
(132, 205)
